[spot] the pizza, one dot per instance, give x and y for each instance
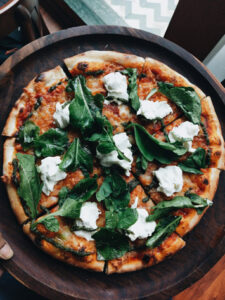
(109, 168)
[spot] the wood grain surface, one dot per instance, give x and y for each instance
(55, 280)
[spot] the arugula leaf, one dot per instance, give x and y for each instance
(163, 229)
(27, 134)
(110, 244)
(106, 145)
(114, 191)
(94, 73)
(63, 193)
(121, 219)
(151, 148)
(50, 224)
(84, 106)
(29, 186)
(132, 87)
(185, 98)
(51, 143)
(76, 157)
(70, 207)
(132, 184)
(190, 201)
(194, 162)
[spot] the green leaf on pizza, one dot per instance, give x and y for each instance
(72, 202)
(121, 219)
(185, 98)
(164, 228)
(194, 162)
(51, 143)
(110, 244)
(132, 87)
(29, 185)
(114, 192)
(152, 148)
(189, 201)
(28, 133)
(84, 106)
(76, 157)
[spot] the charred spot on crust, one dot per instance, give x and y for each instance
(40, 77)
(146, 258)
(82, 66)
(21, 110)
(206, 182)
(217, 153)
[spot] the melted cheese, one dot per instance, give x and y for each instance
(62, 115)
(154, 110)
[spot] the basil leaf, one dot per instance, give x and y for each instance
(63, 193)
(185, 98)
(70, 208)
(76, 157)
(29, 186)
(132, 87)
(114, 191)
(51, 143)
(110, 244)
(194, 162)
(151, 148)
(163, 229)
(121, 219)
(50, 223)
(27, 134)
(84, 106)
(190, 201)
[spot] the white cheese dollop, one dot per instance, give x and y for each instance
(50, 173)
(152, 110)
(88, 216)
(85, 234)
(185, 133)
(116, 85)
(123, 144)
(170, 180)
(141, 229)
(61, 115)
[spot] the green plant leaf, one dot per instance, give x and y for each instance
(132, 88)
(110, 244)
(164, 228)
(194, 162)
(151, 148)
(114, 191)
(29, 186)
(189, 201)
(75, 157)
(71, 205)
(51, 143)
(27, 134)
(185, 98)
(121, 219)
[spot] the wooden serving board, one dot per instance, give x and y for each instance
(53, 279)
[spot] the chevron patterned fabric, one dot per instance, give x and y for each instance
(149, 15)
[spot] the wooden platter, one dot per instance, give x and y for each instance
(53, 279)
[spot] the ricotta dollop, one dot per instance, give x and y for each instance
(85, 234)
(185, 133)
(116, 85)
(50, 173)
(154, 110)
(61, 115)
(88, 216)
(141, 229)
(170, 180)
(123, 144)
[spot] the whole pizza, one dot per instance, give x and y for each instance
(109, 167)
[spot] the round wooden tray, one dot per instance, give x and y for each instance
(53, 279)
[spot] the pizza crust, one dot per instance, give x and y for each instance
(49, 78)
(89, 262)
(168, 74)
(9, 155)
(136, 260)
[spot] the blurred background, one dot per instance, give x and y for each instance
(196, 25)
